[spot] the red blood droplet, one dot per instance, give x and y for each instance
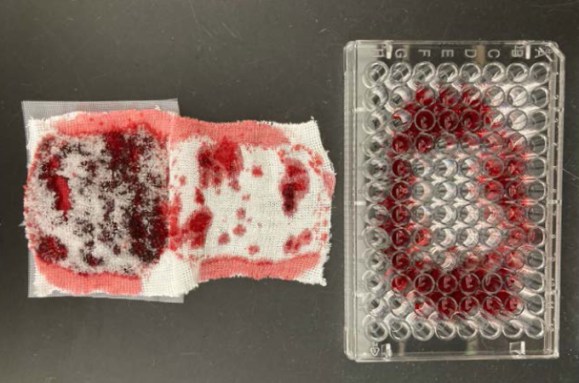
(223, 239)
(253, 249)
(240, 213)
(239, 230)
(294, 185)
(257, 171)
(56, 183)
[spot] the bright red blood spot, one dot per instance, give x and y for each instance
(240, 213)
(195, 229)
(295, 243)
(239, 230)
(257, 171)
(199, 198)
(56, 183)
(219, 161)
(50, 249)
(223, 239)
(324, 237)
(253, 249)
(294, 185)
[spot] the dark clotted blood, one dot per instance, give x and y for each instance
(146, 218)
(219, 161)
(50, 249)
(294, 185)
(295, 242)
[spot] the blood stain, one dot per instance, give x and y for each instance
(253, 249)
(294, 185)
(257, 171)
(51, 250)
(199, 198)
(295, 243)
(239, 230)
(219, 161)
(223, 239)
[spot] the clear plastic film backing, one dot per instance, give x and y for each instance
(452, 199)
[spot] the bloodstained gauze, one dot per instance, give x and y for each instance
(109, 192)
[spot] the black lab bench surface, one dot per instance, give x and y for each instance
(226, 61)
